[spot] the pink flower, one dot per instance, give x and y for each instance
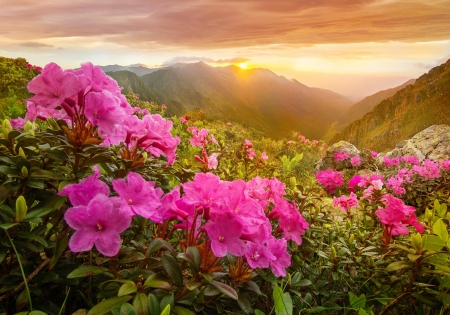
(100, 222)
(354, 181)
(355, 161)
(428, 170)
(290, 222)
(445, 165)
(229, 124)
(410, 159)
(395, 183)
(395, 161)
(140, 196)
(212, 161)
(377, 184)
(264, 156)
(204, 191)
(82, 193)
(251, 154)
(258, 189)
(373, 154)
(225, 232)
(17, 123)
(53, 85)
(330, 180)
(258, 256)
(183, 120)
(345, 203)
(163, 106)
(340, 156)
(247, 144)
(281, 259)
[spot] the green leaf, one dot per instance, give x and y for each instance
(28, 235)
(283, 302)
(43, 174)
(140, 304)
(357, 302)
(172, 268)
(59, 249)
(182, 311)
(301, 283)
(127, 309)
(159, 243)
(34, 184)
(153, 305)
(135, 256)
(85, 271)
(127, 288)
(166, 310)
(157, 281)
(433, 242)
(440, 229)
(225, 289)
(397, 265)
(42, 209)
(105, 306)
(258, 312)
(6, 226)
(37, 313)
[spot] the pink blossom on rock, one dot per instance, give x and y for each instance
(373, 154)
(140, 196)
(355, 161)
(428, 170)
(410, 159)
(395, 161)
(100, 222)
(340, 156)
(445, 165)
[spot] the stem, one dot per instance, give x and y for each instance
(64, 303)
(21, 269)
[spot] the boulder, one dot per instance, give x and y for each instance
(328, 160)
(432, 143)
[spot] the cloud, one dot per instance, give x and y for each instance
(204, 59)
(208, 24)
(35, 45)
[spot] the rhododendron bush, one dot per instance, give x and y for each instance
(108, 206)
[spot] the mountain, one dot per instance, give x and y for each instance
(131, 83)
(361, 108)
(137, 69)
(407, 112)
(256, 97)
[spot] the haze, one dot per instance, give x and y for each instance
(352, 47)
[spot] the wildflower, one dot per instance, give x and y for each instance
(395, 161)
(247, 144)
(340, 156)
(345, 203)
(251, 154)
(184, 120)
(428, 170)
(264, 156)
(225, 232)
(281, 260)
(373, 154)
(212, 161)
(445, 165)
(163, 106)
(140, 196)
(410, 159)
(330, 180)
(377, 184)
(100, 222)
(355, 161)
(258, 256)
(354, 181)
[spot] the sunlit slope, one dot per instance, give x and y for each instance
(410, 110)
(256, 97)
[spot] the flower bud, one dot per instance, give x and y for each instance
(70, 101)
(333, 252)
(6, 128)
(351, 239)
(21, 209)
(24, 171)
(69, 110)
(29, 128)
(21, 153)
(145, 156)
(293, 182)
(416, 240)
(370, 262)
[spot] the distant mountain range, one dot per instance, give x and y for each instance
(410, 110)
(255, 97)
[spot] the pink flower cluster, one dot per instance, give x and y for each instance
(99, 219)
(345, 203)
(395, 161)
(355, 161)
(395, 216)
(341, 156)
(428, 170)
(330, 180)
(199, 138)
(88, 96)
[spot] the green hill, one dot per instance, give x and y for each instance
(410, 110)
(131, 83)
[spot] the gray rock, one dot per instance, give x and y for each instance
(432, 143)
(328, 160)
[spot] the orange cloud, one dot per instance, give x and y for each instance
(198, 24)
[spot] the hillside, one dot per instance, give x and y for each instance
(131, 83)
(137, 69)
(256, 97)
(399, 117)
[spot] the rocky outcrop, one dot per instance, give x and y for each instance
(432, 143)
(329, 161)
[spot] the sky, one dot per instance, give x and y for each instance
(352, 47)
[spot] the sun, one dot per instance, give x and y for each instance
(242, 65)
